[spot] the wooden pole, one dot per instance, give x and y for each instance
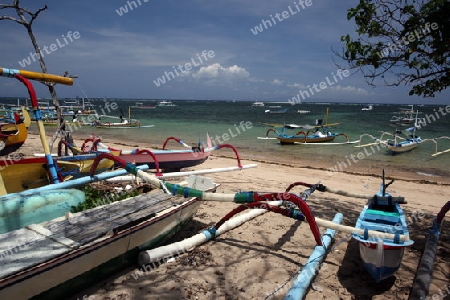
(37, 76)
(358, 231)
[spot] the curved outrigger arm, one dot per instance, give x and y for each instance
(436, 153)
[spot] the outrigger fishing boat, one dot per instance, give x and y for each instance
(408, 144)
(167, 159)
(124, 123)
(56, 258)
(400, 144)
(405, 117)
(382, 222)
(382, 256)
(318, 134)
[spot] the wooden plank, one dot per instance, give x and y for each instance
(23, 248)
(98, 222)
(49, 234)
(27, 247)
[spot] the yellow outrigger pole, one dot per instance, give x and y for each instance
(36, 76)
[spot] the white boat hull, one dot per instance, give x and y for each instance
(403, 146)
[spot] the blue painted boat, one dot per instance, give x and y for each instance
(22, 209)
(382, 256)
(408, 144)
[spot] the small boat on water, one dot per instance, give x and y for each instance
(300, 111)
(403, 141)
(406, 145)
(123, 124)
(382, 256)
(257, 104)
(318, 134)
(276, 111)
(165, 103)
(301, 137)
(406, 117)
(367, 107)
(140, 105)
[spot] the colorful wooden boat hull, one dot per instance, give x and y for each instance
(12, 137)
(21, 174)
(117, 125)
(20, 210)
(305, 139)
(167, 159)
(62, 268)
(382, 257)
(404, 146)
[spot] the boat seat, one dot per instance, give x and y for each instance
(373, 215)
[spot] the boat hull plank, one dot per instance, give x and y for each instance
(168, 159)
(111, 218)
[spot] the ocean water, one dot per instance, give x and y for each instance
(240, 124)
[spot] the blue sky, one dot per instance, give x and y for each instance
(122, 55)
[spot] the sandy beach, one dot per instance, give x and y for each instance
(260, 259)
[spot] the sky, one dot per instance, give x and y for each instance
(197, 49)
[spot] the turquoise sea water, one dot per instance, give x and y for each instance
(239, 124)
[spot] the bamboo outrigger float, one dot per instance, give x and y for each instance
(422, 280)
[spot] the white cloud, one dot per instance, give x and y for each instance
(217, 71)
(296, 85)
(350, 90)
(277, 81)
